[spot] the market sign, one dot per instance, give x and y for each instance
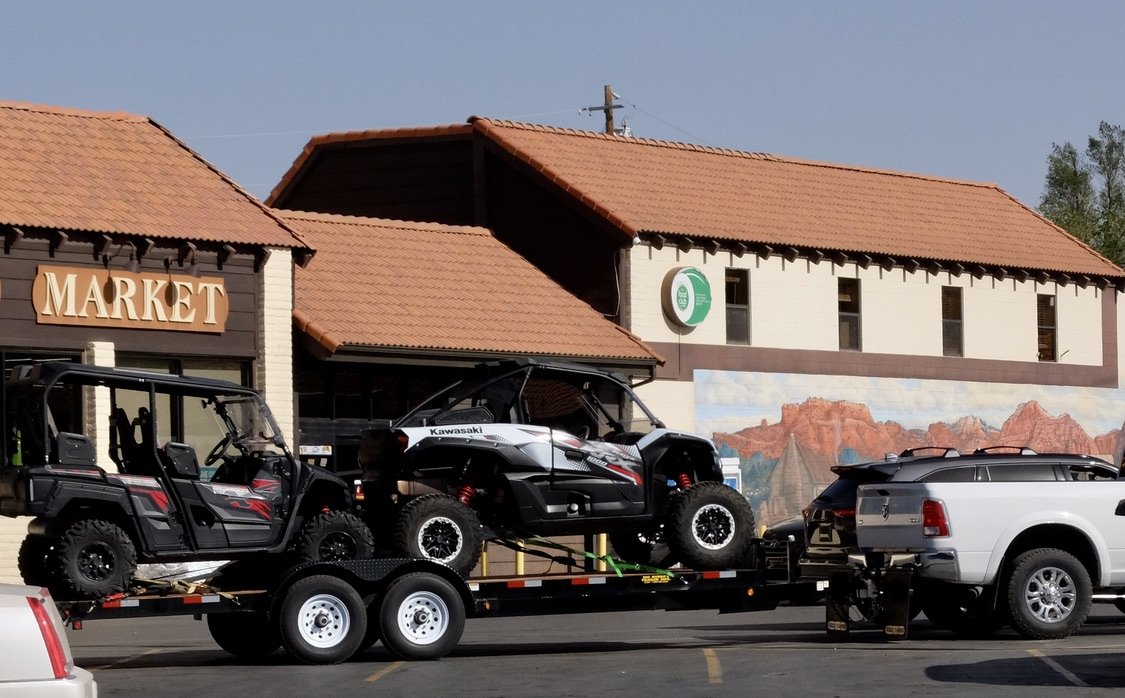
(143, 301)
(686, 296)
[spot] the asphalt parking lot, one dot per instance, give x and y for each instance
(691, 653)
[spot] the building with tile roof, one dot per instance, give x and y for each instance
(122, 247)
(762, 280)
(439, 289)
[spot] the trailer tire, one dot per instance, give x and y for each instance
(323, 620)
(440, 528)
(1049, 594)
(245, 635)
(421, 616)
(333, 536)
(35, 561)
(93, 558)
(709, 526)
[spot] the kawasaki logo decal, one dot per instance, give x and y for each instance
(455, 431)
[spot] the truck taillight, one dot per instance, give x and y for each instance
(935, 524)
(402, 441)
(51, 640)
(357, 491)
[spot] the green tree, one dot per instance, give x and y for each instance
(1085, 192)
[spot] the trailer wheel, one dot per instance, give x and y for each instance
(35, 561)
(323, 620)
(245, 635)
(710, 526)
(440, 528)
(1049, 594)
(334, 536)
(421, 616)
(93, 558)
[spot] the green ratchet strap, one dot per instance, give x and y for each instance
(618, 566)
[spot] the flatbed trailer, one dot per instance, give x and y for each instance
(325, 612)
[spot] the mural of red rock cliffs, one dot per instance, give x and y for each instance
(785, 464)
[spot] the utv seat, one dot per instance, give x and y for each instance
(134, 456)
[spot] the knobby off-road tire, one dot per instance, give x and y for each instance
(421, 617)
(334, 536)
(35, 560)
(709, 526)
(93, 558)
(1049, 594)
(323, 620)
(440, 528)
(245, 635)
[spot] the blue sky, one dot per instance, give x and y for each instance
(966, 90)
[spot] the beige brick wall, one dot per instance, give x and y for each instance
(12, 532)
(274, 368)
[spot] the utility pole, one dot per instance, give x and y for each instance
(608, 108)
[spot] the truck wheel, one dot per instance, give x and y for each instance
(334, 536)
(245, 635)
(641, 548)
(92, 559)
(440, 528)
(421, 617)
(323, 620)
(1049, 594)
(709, 526)
(35, 560)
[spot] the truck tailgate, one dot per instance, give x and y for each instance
(888, 516)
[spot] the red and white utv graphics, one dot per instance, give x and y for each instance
(533, 448)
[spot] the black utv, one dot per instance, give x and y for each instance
(194, 469)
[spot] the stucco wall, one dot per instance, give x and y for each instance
(793, 305)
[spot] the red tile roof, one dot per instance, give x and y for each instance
(421, 286)
(660, 187)
(120, 173)
(651, 186)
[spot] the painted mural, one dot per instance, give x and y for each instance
(788, 430)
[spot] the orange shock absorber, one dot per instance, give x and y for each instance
(683, 479)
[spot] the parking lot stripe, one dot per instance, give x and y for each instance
(714, 669)
(385, 670)
(1059, 668)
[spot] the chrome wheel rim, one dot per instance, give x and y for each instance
(1050, 595)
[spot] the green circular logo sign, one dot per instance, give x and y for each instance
(686, 296)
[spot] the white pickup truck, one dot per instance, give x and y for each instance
(984, 554)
